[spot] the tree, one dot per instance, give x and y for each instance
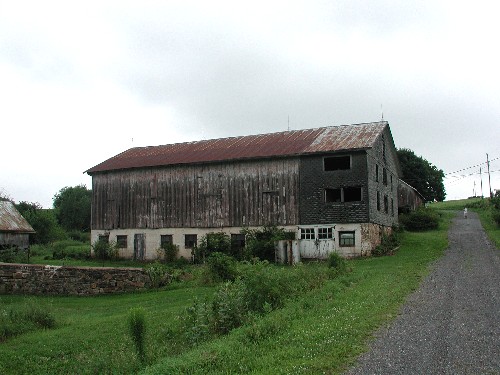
(422, 175)
(72, 207)
(43, 222)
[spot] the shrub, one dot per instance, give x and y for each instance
(105, 250)
(158, 274)
(221, 267)
(212, 243)
(229, 308)
(170, 252)
(387, 246)
(260, 243)
(496, 216)
(421, 219)
(13, 255)
(336, 262)
(137, 329)
(195, 322)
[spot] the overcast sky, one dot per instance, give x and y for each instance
(81, 81)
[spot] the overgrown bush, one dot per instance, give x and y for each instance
(13, 255)
(261, 288)
(336, 262)
(421, 219)
(212, 243)
(221, 267)
(229, 308)
(196, 322)
(387, 246)
(158, 274)
(170, 252)
(105, 249)
(496, 216)
(137, 330)
(260, 242)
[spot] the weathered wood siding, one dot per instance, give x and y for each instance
(20, 240)
(249, 193)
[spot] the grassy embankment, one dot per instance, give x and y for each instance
(322, 331)
(482, 207)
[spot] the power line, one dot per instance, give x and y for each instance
(468, 175)
(474, 166)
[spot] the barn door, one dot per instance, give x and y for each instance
(139, 246)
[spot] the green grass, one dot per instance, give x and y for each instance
(320, 332)
(482, 207)
(91, 334)
(324, 331)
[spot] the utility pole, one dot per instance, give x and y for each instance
(489, 176)
(481, 176)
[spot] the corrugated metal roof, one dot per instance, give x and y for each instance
(11, 220)
(295, 142)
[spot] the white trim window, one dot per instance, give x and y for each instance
(307, 234)
(325, 233)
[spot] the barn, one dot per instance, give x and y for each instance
(14, 229)
(335, 187)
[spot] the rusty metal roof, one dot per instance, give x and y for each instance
(294, 142)
(11, 220)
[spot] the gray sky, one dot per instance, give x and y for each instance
(81, 81)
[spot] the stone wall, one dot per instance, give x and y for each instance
(64, 280)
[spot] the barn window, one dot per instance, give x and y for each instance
(376, 172)
(104, 238)
(333, 195)
(325, 233)
(307, 234)
(378, 201)
(386, 204)
(165, 240)
(336, 163)
(121, 242)
(346, 194)
(352, 194)
(392, 207)
(190, 240)
(384, 176)
(346, 239)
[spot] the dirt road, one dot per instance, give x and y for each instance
(451, 324)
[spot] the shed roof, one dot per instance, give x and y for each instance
(11, 220)
(288, 143)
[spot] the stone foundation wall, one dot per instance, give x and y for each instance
(62, 280)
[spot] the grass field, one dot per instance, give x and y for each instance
(320, 332)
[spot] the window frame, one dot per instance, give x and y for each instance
(190, 241)
(166, 239)
(121, 241)
(341, 163)
(342, 238)
(342, 191)
(307, 234)
(325, 233)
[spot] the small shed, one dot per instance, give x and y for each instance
(14, 229)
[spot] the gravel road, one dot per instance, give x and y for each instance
(451, 324)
